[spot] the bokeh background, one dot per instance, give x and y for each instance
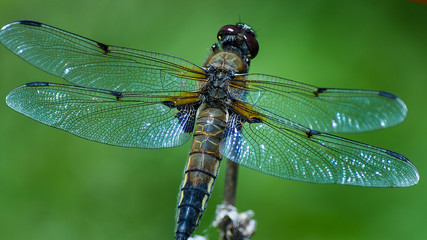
(56, 186)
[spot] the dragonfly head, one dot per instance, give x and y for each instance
(240, 39)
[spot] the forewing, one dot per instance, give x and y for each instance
(140, 120)
(322, 109)
(287, 150)
(89, 63)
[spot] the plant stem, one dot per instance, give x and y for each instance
(230, 183)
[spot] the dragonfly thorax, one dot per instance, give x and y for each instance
(216, 88)
(221, 67)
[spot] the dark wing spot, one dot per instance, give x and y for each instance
(118, 95)
(233, 131)
(30, 23)
(186, 115)
(37, 84)
(312, 132)
(168, 104)
(397, 155)
(256, 120)
(234, 125)
(387, 95)
(319, 91)
(104, 47)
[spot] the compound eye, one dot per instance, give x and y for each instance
(242, 32)
(252, 43)
(228, 30)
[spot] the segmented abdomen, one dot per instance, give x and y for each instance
(201, 170)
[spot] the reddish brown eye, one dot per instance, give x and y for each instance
(229, 30)
(252, 43)
(239, 32)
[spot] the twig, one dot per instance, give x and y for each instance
(231, 224)
(230, 183)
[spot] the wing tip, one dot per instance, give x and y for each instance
(409, 179)
(13, 103)
(22, 22)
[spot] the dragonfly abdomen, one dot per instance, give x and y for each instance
(201, 170)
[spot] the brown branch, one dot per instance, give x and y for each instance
(231, 224)
(230, 183)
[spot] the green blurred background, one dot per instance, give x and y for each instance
(57, 186)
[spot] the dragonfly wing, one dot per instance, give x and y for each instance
(140, 120)
(89, 63)
(287, 150)
(322, 109)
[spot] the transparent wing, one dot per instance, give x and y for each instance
(322, 109)
(141, 120)
(89, 63)
(287, 150)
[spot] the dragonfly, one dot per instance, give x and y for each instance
(142, 99)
